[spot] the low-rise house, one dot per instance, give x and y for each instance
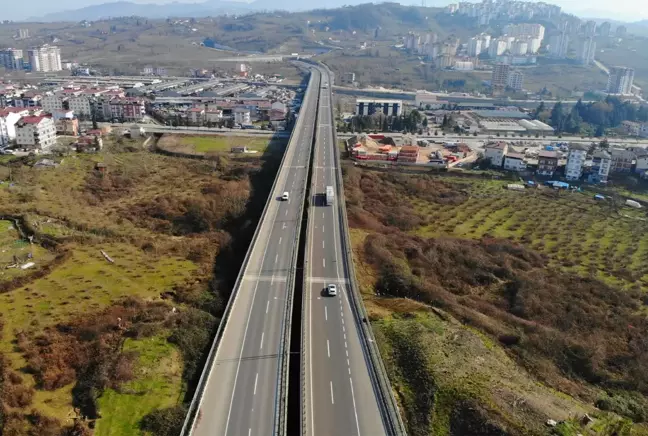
(547, 163)
(66, 126)
(496, 152)
(196, 115)
(35, 132)
(601, 163)
(575, 161)
(241, 115)
(515, 162)
(641, 166)
(213, 116)
(622, 160)
(127, 109)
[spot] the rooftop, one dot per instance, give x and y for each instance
(496, 145)
(548, 154)
(501, 114)
(515, 156)
(31, 120)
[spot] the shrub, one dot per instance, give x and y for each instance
(164, 422)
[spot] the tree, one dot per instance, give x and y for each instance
(444, 123)
(558, 117)
(600, 131)
(539, 110)
(425, 122)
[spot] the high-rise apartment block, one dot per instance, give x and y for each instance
(620, 80)
(500, 75)
(587, 50)
(516, 80)
(525, 30)
(559, 44)
(45, 59)
(11, 59)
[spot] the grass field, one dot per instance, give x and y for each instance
(156, 250)
(158, 386)
(13, 248)
(203, 145)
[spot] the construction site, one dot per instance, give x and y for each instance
(408, 150)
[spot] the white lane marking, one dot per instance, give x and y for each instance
(262, 334)
(322, 229)
(249, 432)
(328, 348)
(345, 344)
(332, 401)
(355, 411)
(279, 240)
(283, 226)
(347, 353)
(322, 214)
(324, 263)
(286, 212)
(348, 362)
(349, 371)
(267, 306)
(256, 379)
(345, 336)
(326, 313)
(343, 329)
(276, 257)
(322, 244)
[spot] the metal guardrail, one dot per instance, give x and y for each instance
(283, 367)
(192, 413)
(377, 371)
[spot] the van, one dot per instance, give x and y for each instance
(285, 196)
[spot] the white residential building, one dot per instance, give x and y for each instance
(52, 103)
(8, 119)
(587, 50)
(241, 115)
(559, 45)
(620, 80)
(35, 133)
(213, 116)
(45, 59)
(497, 47)
(496, 152)
(81, 105)
(516, 80)
(533, 45)
(474, 47)
(519, 48)
(533, 30)
(642, 164)
(515, 162)
(196, 115)
(575, 161)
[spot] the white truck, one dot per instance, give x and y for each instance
(330, 195)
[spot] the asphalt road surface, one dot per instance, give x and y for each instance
(339, 396)
(242, 388)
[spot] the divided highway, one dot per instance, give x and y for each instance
(338, 396)
(242, 391)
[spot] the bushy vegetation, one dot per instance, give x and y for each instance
(142, 260)
(577, 334)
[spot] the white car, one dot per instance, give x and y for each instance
(285, 196)
(331, 290)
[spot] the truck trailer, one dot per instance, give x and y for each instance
(330, 195)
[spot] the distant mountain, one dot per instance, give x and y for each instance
(151, 10)
(207, 8)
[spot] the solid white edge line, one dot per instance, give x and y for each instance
(332, 400)
(355, 411)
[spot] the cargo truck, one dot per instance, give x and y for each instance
(330, 195)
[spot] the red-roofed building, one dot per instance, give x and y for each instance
(35, 132)
(127, 109)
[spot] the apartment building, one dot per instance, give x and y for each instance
(127, 109)
(35, 132)
(81, 105)
(45, 59)
(12, 59)
(575, 161)
(516, 80)
(372, 106)
(8, 119)
(496, 152)
(499, 78)
(515, 162)
(241, 115)
(53, 103)
(620, 80)
(587, 50)
(622, 160)
(600, 170)
(547, 163)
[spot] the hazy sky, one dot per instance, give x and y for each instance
(629, 10)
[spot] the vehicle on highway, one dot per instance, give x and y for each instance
(330, 195)
(285, 196)
(331, 290)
